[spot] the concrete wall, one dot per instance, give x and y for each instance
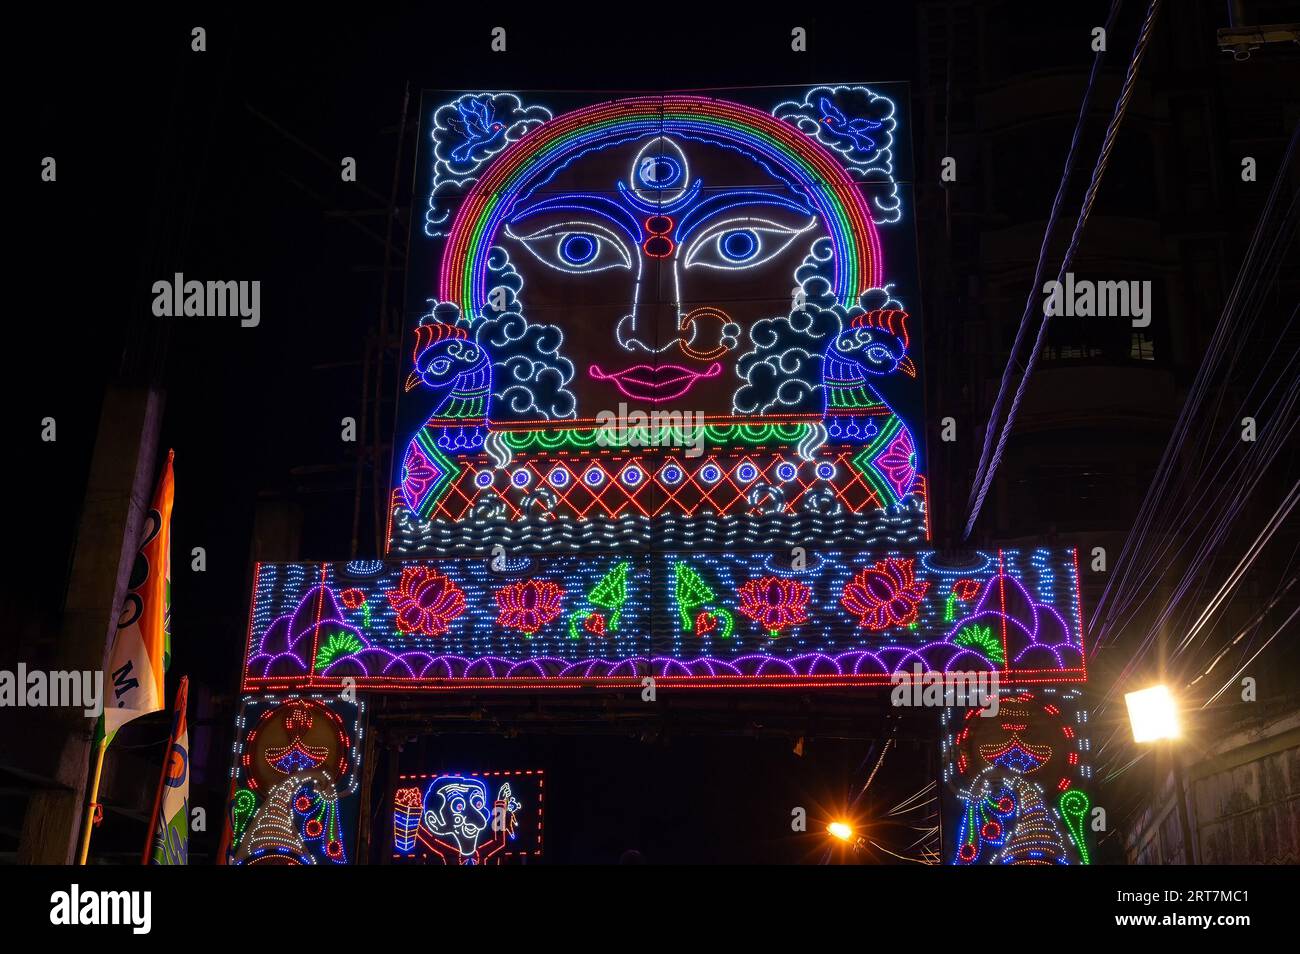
(1243, 799)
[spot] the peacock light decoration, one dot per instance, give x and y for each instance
(858, 360)
(457, 371)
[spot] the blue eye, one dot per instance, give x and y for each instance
(742, 242)
(739, 246)
(578, 248)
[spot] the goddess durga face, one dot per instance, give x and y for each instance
(662, 276)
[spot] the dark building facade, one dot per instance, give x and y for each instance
(998, 95)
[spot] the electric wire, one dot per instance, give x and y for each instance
(1052, 216)
(1116, 596)
(1099, 170)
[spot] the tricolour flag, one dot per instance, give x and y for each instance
(143, 642)
(169, 843)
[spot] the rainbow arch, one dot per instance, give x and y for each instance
(837, 198)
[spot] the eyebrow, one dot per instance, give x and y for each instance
(609, 210)
(710, 208)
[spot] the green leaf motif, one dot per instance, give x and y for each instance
(338, 644)
(981, 638)
(241, 812)
(611, 592)
(690, 591)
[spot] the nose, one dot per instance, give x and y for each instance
(705, 333)
(652, 327)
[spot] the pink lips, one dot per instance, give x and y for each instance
(656, 383)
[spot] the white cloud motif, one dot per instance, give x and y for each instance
(467, 134)
(857, 124)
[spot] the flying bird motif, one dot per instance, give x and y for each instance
(854, 130)
(480, 126)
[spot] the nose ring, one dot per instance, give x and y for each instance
(689, 319)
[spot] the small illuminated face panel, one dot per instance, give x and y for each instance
(663, 273)
(456, 808)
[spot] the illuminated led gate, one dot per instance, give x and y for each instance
(661, 415)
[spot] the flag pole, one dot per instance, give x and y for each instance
(91, 800)
(182, 693)
(157, 800)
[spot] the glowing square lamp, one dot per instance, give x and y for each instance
(1152, 714)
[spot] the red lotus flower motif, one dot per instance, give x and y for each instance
(352, 598)
(529, 605)
(775, 602)
(426, 601)
(885, 594)
(966, 589)
(705, 623)
(594, 624)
